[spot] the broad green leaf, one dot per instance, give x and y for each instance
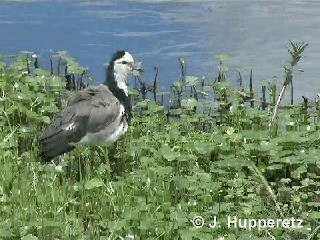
(314, 215)
(202, 148)
(192, 80)
(169, 154)
(29, 237)
(189, 103)
(93, 183)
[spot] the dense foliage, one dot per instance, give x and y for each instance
(214, 157)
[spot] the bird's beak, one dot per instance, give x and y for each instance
(136, 68)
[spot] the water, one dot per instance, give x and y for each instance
(253, 33)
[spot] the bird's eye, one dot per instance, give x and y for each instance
(124, 62)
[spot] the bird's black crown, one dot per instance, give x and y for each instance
(117, 55)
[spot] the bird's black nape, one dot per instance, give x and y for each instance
(119, 54)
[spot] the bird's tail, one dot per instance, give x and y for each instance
(53, 145)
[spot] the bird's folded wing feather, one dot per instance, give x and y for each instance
(90, 110)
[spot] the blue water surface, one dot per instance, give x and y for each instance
(253, 33)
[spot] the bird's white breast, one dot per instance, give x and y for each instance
(118, 133)
(94, 138)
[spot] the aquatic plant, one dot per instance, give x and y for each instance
(208, 153)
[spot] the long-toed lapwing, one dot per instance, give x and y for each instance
(97, 116)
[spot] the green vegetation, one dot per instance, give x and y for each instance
(212, 154)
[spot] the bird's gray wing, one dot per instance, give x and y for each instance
(89, 111)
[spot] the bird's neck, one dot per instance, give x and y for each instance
(117, 85)
(117, 81)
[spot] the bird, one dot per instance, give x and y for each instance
(97, 116)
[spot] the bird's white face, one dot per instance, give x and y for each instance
(123, 67)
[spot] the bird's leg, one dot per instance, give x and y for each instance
(118, 165)
(100, 152)
(106, 160)
(103, 155)
(92, 157)
(82, 167)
